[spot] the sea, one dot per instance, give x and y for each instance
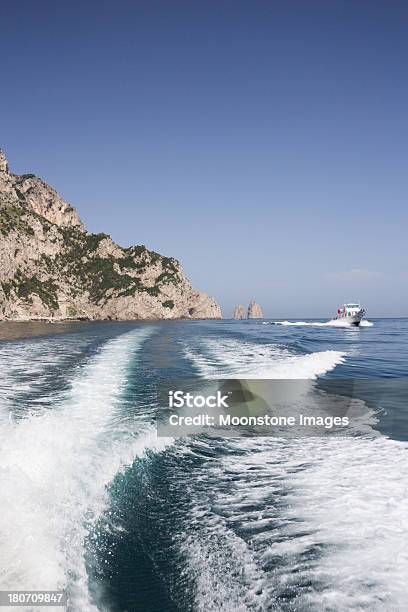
(94, 502)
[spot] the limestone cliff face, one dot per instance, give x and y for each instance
(51, 267)
(45, 201)
(254, 310)
(239, 312)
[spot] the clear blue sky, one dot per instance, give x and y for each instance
(262, 143)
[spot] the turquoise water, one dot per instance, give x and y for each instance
(94, 502)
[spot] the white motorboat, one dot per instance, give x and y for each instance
(350, 313)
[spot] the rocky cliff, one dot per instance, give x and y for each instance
(51, 267)
(254, 310)
(239, 312)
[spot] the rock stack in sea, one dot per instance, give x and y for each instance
(239, 312)
(254, 310)
(51, 267)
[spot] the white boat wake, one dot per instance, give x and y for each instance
(331, 323)
(55, 467)
(223, 358)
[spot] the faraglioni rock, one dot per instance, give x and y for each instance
(52, 268)
(254, 310)
(239, 312)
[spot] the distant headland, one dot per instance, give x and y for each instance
(52, 268)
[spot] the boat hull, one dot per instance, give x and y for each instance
(352, 320)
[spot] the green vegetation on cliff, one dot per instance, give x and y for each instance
(79, 264)
(25, 286)
(168, 304)
(12, 218)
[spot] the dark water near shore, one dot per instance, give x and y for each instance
(94, 502)
(13, 330)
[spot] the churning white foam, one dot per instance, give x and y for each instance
(319, 524)
(309, 524)
(223, 358)
(352, 499)
(55, 467)
(25, 366)
(331, 323)
(221, 564)
(226, 575)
